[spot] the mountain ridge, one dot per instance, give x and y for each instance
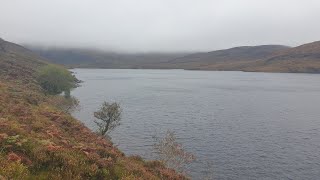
(244, 51)
(268, 58)
(80, 57)
(304, 58)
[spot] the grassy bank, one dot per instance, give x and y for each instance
(39, 141)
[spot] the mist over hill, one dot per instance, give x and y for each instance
(269, 58)
(91, 58)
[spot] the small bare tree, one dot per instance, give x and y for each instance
(68, 105)
(108, 117)
(172, 154)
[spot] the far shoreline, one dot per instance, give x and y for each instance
(200, 70)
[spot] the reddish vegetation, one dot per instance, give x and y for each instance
(14, 157)
(42, 138)
(39, 141)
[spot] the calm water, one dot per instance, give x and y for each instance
(239, 125)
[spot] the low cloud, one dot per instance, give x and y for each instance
(159, 25)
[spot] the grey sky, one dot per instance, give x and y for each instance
(160, 25)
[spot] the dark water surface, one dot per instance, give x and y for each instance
(239, 125)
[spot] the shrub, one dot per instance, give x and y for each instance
(67, 105)
(55, 80)
(172, 154)
(108, 117)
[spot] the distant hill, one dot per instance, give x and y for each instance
(233, 54)
(228, 59)
(89, 58)
(304, 58)
(268, 58)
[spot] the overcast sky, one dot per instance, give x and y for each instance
(159, 25)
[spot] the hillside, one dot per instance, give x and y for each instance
(265, 58)
(233, 54)
(304, 58)
(39, 141)
(90, 58)
(216, 60)
(268, 58)
(17, 61)
(228, 59)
